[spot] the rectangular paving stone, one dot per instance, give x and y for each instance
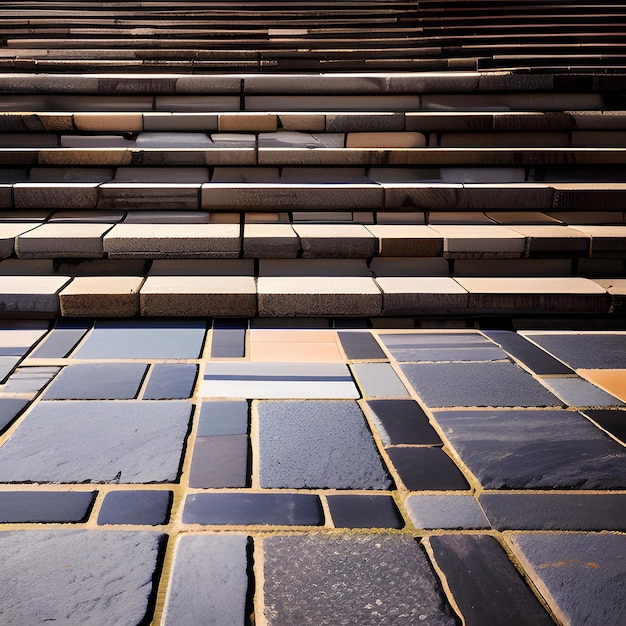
(555, 511)
(143, 339)
(415, 295)
(219, 462)
(171, 381)
(360, 345)
(10, 408)
(317, 444)
(81, 576)
(271, 241)
(59, 342)
(311, 580)
(29, 379)
(378, 380)
(223, 418)
(402, 422)
(216, 564)
(49, 195)
(364, 511)
(7, 365)
(577, 392)
(427, 469)
(336, 241)
(445, 511)
(44, 507)
(246, 508)
(613, 422)
(547, 449)
(145, 508)
(406, 240)
(62, 240)
(99, 442)
(228, 339)
(9, 233)
(579, 575)
(294, 346)
(486, 587)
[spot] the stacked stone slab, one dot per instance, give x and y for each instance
(370, 193)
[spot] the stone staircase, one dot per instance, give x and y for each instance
(127, 191)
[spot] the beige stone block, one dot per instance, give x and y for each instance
(606, 241)
(475, 241)
(198, 296)
(611, 380)
(55, 195)
(395, 240)
(270, 241)
(336, 241)
(521, 217)
(386, 140)
(83, 240)
(122, 122)
(553, 241)
(31, 294)
(252, 122)
(101, 296)
(8, 234)
(417, 295)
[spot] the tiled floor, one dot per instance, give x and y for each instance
(227, 472)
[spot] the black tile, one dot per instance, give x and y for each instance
(613, 422)
(136, 507)
(219, 462)
(403, 421)
(10, 408)
(229, 339)
(361, 345)
(486, 586)
(536, 359)
(364, 511)
(171, 381)
(45, 507)
(427, 469)
(241, 508)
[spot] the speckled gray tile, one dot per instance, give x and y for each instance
(580, 575)
(216, 565)
(148, 508)
(378, 380)
(223, 418)
(350, 579)
(577, 392)
(132, 339)
(10, 408)
(535, 449)
(97, 381)
(171, 381)
(477, 384)
(62, 507)
(364, 511)
(444, 511)
(219, 462)
(361, 345)
(99, 442)
(555, 511)
(486, 586)
(317, 444)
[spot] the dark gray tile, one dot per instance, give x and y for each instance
(402, 421)
(548, 449)
(477, 384)
(317, 444)
(364, 511)
(613, 422)
(171, 381)
(555, 511)
(581, 575)
(97, 381)
(99, 442)
(361, 345)
(350, 579)
(244, 508)
(223, 418)
(427, 469)
(216, 565)
(229, 339)
(219, 461)
(59, 343)
(445, 511)
(80, 577)
(136, 507)
(144, 339)
(10, 408)
(528, 353)
(486, 586)
(62, 507)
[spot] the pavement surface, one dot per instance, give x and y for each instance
(284, 473)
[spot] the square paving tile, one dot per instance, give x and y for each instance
(23, 507)
(171, 381)
(99, 442)
(361, 345)
(219, 462)
(223, 418)
(321, 444)
(364, 511)
(543, 449)
(136, 507)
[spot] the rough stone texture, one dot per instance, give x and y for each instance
(415, 295)
(62, 240)
(31, 294)
(350, 579)
(101, 296)
(323, 241)
(45, 507)
(317, 445)
(81, 576)
(486, 586)
(580, 575)
(136, 507)
(169, 381)
(402, 240)
(613, 422)
(378, 380)
(29, 380)
(209, 582)
(534, 449)
(364, 511)
(445, 511)
(121, 442)
(270, 241)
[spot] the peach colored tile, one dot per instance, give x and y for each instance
(294, 346)
(291, 336)
(613, 381)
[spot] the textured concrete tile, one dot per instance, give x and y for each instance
(482, 241)
(272, 241)
(413, 295)
(402, 422)
(217, 565)
(534, 449)
(219, 462)
(406, 240)
(613, 422)
(336, 241)
(317, 445)
(41, 507)
(578, 392)
(223, 418)
(245, 508)
(125, 442)
(477, 384)
(144, 340)
(31, 294)
(352, 579)
(364, 511)
(149, 508)
(427, 469)
(612, 380)
(97, 381)
(62, 240)
(81, 576)
(360, 345)
(580, 575)
(554, 511)
(444, 511)
(378, 380)
(486, 587)
(171, 381)
(101, 296)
